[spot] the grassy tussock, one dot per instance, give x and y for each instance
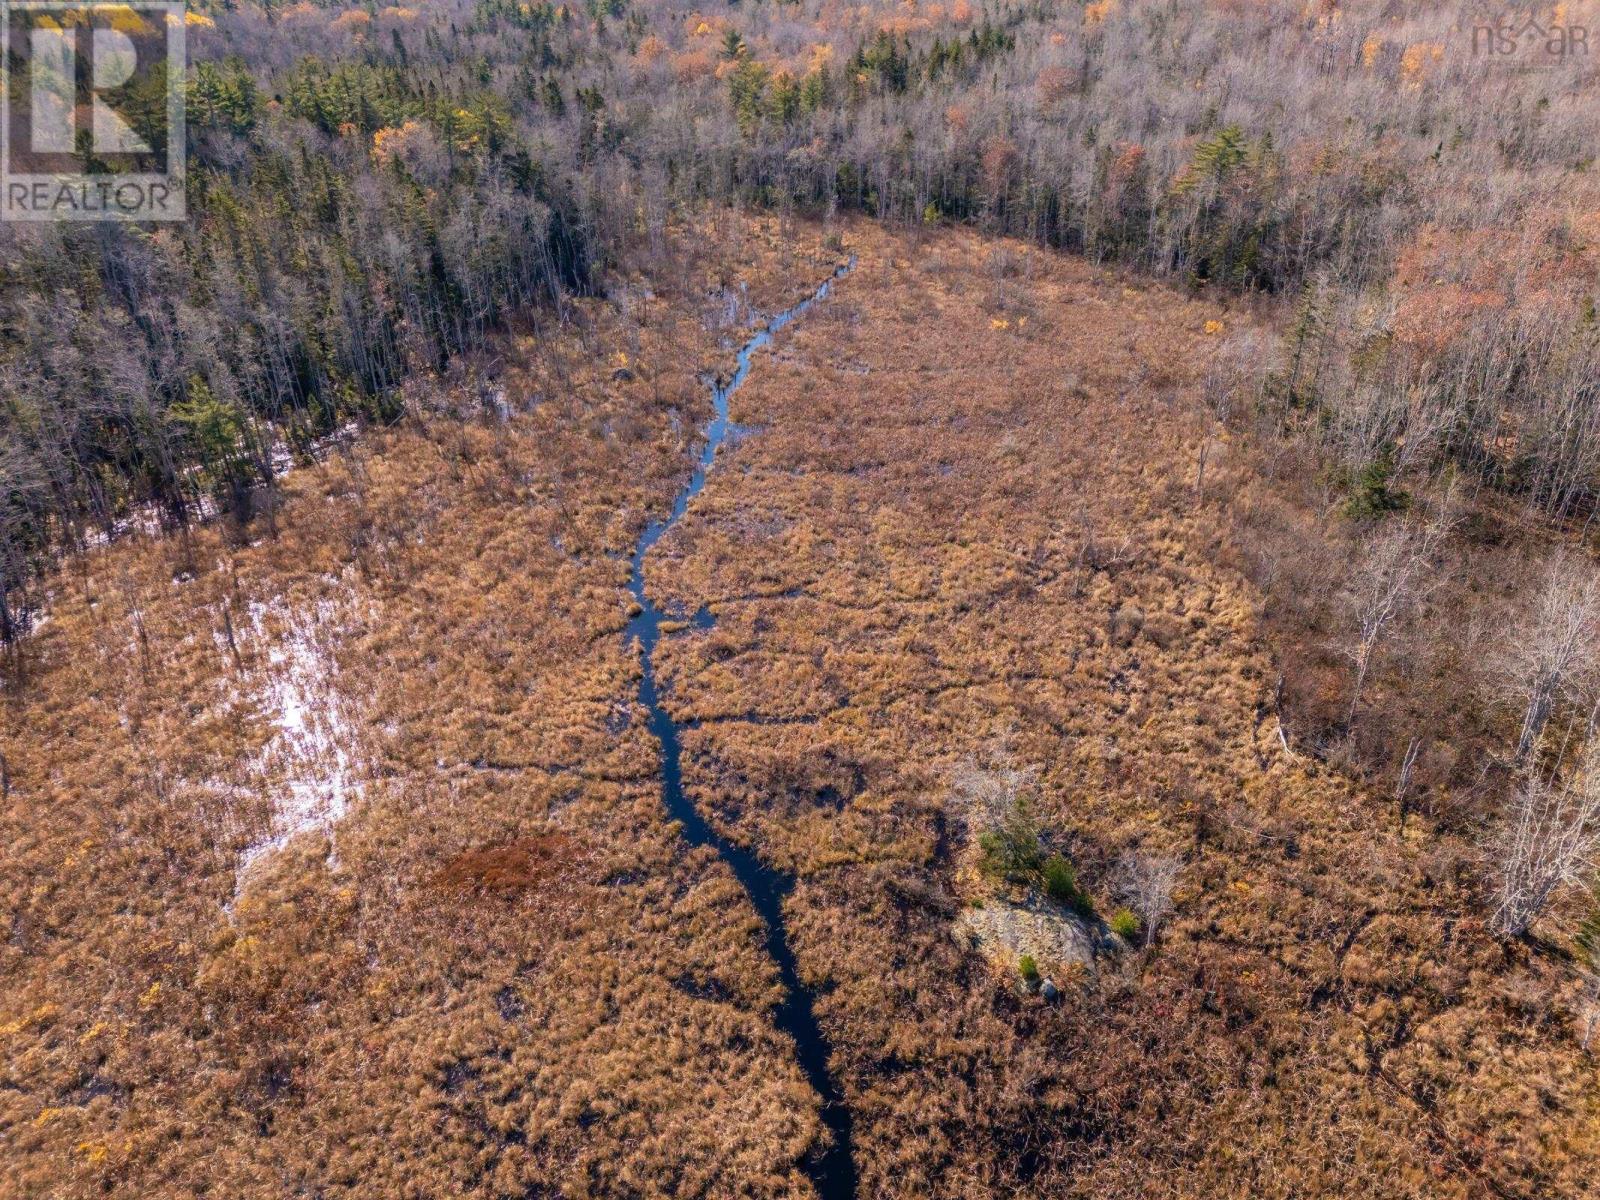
(973, 517)
(592, 1022)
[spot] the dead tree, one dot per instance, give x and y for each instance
(1554, 654)
(1402, 787)
(1393, 576)
(1548, 840)
(996, 802)
(1144, 882)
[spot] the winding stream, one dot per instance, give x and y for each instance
(832, 1171)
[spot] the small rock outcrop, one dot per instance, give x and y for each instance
(1035, 926)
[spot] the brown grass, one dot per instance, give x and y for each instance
(338, 1024)
(518, 866)
(972, 465)
(975, 467)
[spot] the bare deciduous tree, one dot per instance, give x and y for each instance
(1393, 576)
(996, 799)
(1235, 374)
(1144, 882)
(1588, 1006)
(1549, 840)
(1554, 655)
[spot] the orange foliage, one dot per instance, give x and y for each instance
(1418, 58)
(688, 65)
(699, 25)
(1431, 317)
(999, 161)
(353, 21)
(1130, 157)
(1054, 84)
(391, 142)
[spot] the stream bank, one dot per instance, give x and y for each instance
(833, 1170)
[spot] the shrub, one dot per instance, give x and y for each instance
(1125, 924)
(1372, 493)
(1029, 968)
(991, 854)
(998, 802)
(1061, 884)
(1008, 852)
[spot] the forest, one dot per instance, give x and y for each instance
(375, 188)
(1147, 617)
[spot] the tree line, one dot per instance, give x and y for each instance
(373, 188)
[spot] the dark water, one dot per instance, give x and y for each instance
(832, 1170)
